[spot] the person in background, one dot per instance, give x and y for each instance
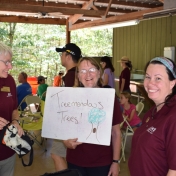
(154, 144)
(58, 79)
(108, 75)
(91, 159)
(8, 109)
(23, 90)
(129, 110)
(70, 55)
(124, 79)
(41, 91)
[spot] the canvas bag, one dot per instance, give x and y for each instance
(21, 145)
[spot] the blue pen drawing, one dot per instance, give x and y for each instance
(95, 117)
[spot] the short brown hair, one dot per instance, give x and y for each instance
(24, 75)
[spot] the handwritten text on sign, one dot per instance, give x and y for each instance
(83, 113)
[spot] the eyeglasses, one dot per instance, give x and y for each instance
(91, 70)
(6, 62)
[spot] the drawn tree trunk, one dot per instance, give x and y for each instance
(95, 117)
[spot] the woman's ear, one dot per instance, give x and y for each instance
(172, 83)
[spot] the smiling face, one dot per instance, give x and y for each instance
(88, 74)
(157, 83)
(4, 69)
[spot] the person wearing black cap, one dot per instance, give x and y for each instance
(42, 87)
(70, 55)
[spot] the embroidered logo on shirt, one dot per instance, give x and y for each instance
(151, 130)
(9, 95)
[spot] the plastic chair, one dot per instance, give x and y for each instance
(125, 133)
(23, 101)
(42, 107)
(33, 103)
(43, 95)
(32, 120)
(139, 107)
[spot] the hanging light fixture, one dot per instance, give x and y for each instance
(115, 25)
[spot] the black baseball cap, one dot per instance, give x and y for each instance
(72, 49)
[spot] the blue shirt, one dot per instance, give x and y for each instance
(22, 91)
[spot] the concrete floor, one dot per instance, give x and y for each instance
(43, 163)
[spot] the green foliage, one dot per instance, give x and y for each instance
(34, 46)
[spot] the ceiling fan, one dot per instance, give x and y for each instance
(48, 15)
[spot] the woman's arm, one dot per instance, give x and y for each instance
(105, 79)
(116, 145)
(171, 172)
(15, 119)
(122, 85)
(130, 117)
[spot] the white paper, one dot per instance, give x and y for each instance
(83, 113)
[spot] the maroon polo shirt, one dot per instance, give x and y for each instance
(153, 149)
(8, 103)
(69, 78)
(91, 155)
(125, 74)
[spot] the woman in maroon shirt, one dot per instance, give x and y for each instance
(124, 79)
(91, 159)
(8, 109)
(154, 142)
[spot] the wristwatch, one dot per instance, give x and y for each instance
(116, 161)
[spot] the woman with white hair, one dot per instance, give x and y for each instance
(8, 109)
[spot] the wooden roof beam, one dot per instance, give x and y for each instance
(109, 5)
(36, 9)
(114, 19)
(73, 19)
(31, 20)
(129, 3)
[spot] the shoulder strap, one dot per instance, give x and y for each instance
(30, 158)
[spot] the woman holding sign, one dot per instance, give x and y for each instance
(91, 159)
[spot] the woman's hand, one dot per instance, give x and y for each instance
(3, 123)
(114, 170)
(19, 128)
(71, 143)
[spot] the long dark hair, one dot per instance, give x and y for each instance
(129, 65)
(170, 76)
(108, 62)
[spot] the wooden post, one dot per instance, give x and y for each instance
(67, 32)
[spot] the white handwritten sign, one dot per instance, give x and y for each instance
(83, 113)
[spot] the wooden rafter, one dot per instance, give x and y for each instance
(17, 19)
(75, 17)
(114, 19)
(107, 10)
(36, 9)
